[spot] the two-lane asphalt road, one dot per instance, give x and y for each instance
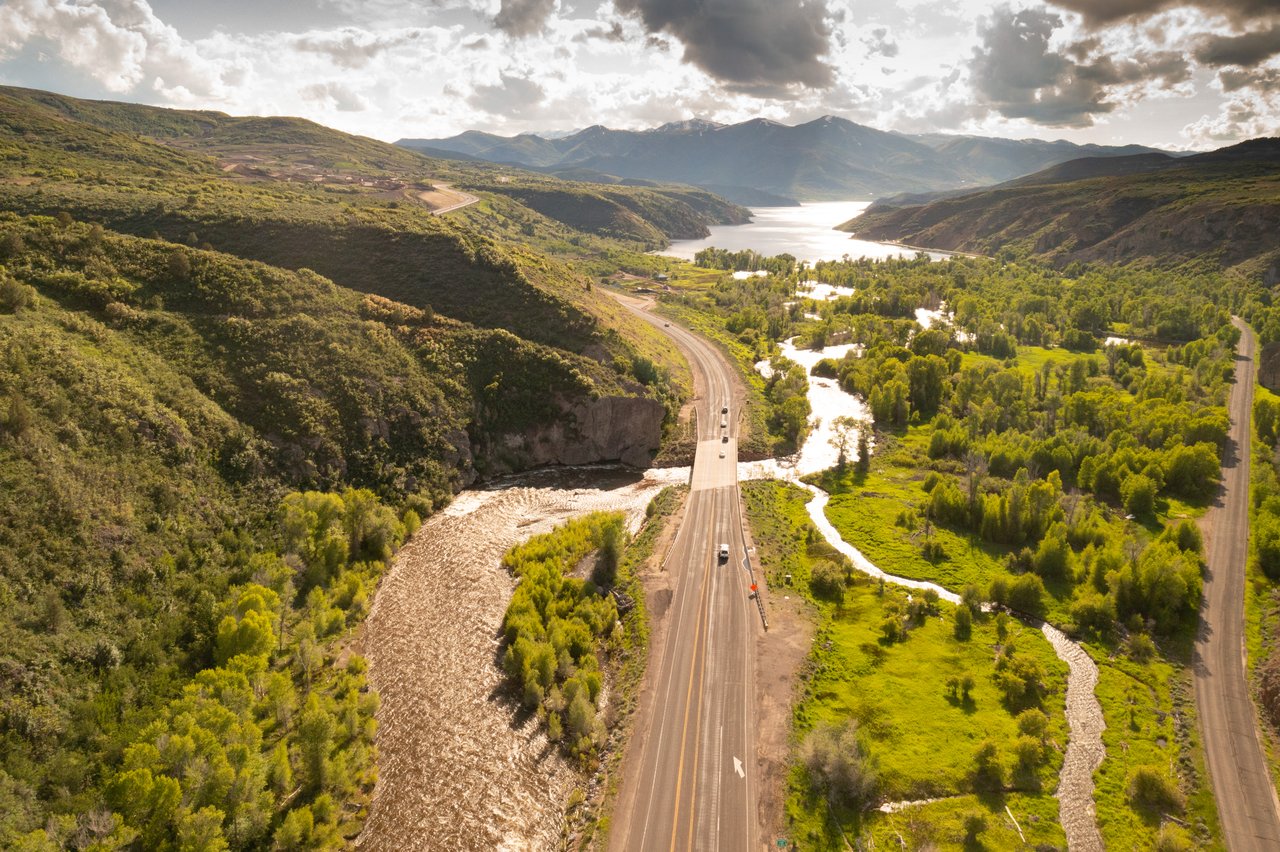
(1242, 785)
(689, 775)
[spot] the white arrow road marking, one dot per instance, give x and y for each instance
(737, 767)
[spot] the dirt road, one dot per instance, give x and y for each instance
(445, 199)
(1242, 787)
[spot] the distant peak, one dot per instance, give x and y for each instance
(691, 125)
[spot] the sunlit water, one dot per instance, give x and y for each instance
(804, 232)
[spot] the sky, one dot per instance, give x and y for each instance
(1172, 73)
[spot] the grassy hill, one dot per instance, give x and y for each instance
(1222, 207)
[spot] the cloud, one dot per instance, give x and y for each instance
(1246, 50)
(880, 43)
(513, 97)
(120, 44)
(353, 48)
(334, 95)
(1102, 12)
(750, 45)
(523, 18)
(1258, 79)
(1247, 115)
(613, 33)
(1019, 75)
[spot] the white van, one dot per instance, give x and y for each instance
(724, 553)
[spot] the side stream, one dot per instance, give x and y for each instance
(1084, 715)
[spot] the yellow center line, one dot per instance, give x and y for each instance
(688, 697)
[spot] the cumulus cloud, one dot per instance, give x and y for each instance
(1250, 113)
(119, 43)
(880, 43)
(1259, 79)
(613, 33)
(523, 18)
(354, 48)
(334, 95)
(1019, 74)
(750, 45)
(1102, 12)
(512, 96)
(1247, 49)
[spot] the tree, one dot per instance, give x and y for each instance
(864, 454)
(844, 429)
(315, 743)
(964, 623)
(1026, 594)
(1138, 492)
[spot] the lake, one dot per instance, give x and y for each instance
(805, 232)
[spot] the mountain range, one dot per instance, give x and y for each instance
(763, 162)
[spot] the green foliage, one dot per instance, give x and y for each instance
(1151, 789)
(554, 626)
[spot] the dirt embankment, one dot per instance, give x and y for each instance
(459, 768)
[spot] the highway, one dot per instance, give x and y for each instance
(690, 771)
(1242, 787)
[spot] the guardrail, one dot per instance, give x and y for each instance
(746, 558)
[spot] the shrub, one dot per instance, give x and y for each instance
(988, 773)
(827, 579)
(838, 764)
(1149, 789)
(964, 623)
(1026, 594)
(1140, 648)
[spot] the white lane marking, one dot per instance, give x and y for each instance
(737, 767)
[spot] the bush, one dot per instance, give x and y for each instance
(1171, 838)
(1149, 789)
(838, 764)
(827, 579)
(1026, 594)
(964, 623)
(988, 773)
(1140, 648)
(14, 295)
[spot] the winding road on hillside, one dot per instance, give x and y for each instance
(1242, 787)
(690, 773)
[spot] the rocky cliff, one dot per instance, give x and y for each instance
(610, 428)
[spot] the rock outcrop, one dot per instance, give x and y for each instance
(1269, 367)
(610, 428)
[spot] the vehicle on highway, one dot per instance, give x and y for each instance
(722, 454)
(725, 439)
(724, 422)
(724, 409)
(724, 553)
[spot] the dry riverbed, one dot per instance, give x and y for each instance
(458, 768)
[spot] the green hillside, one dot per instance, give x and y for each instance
(1222, 207)
(239, 360)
